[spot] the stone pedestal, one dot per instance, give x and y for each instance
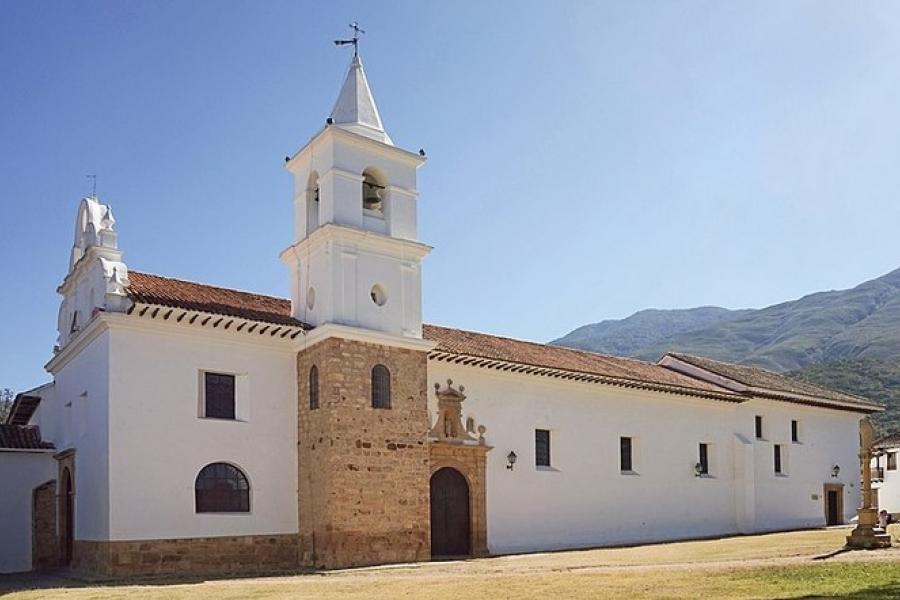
(865, 536)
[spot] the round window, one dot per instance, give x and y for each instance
(311, 297)
(378, 295)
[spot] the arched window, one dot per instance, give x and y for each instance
(221, 487)
(373, 192)
(313, 387)
(381, 387)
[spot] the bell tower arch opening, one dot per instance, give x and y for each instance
(374, 192)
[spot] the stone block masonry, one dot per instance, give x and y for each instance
(363, 471)
(44, 543)
(249, 553)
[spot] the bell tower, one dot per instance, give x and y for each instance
(356, 260)
(355, 265)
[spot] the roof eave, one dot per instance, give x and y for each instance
(583, 376)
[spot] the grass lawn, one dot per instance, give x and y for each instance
(764, 566)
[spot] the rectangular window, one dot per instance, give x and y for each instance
(703, 468)
(892, 461)
(778, 470)
(625, 454)
(219, 396)
(542, 447)
(759, 431)
(795, 431)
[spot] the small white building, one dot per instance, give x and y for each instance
(885, 476)
(193, 428)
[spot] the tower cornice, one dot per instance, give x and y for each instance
(354, 139)
(331, 232)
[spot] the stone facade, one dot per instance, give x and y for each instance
(471, 462)
(453, 445)
(250, 553)
(363, 472)
(44, 543)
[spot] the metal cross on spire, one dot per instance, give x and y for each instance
(354, 40)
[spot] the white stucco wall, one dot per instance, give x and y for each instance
(20, 473)
(586, 501)
(159, 443)
(826, 438)
(76, 415)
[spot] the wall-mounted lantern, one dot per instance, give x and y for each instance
(835, 470)
(698, 470)
(511, 460)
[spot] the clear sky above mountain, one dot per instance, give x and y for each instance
(586, 159)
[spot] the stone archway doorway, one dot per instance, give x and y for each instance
(450, 520)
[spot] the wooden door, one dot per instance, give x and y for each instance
(68, 519)
(450, 521)
(831, 501)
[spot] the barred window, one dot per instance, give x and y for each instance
(314, 387)
(381, 387)
(703, 465)
(219, 396)
(778, 469)
(625, 454)
(221, 487)
(542, 447)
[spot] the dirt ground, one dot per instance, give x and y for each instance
(805, 564)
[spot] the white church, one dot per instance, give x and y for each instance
(189, 428)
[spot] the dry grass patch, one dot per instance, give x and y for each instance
(766, 566)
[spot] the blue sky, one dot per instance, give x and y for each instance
(586, 159)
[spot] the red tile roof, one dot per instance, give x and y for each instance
(177, 293)
(469, 343)
(891, 440)
(22, 409)
(153, 289)
(18, 437)
(768, 383)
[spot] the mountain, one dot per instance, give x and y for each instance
(628, 337)
(848, 340)
(867, 377)
(860, 323)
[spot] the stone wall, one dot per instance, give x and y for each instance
(363, 472)
(233, 554)
(44, 542)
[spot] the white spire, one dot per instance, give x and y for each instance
(355, 108)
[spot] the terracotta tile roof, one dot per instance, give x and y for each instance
(767, 381)
(457, 341)
(22, 409)
(153, 289)
(18, 437)
(177, 293)
(891, 440)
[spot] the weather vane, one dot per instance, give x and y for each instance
(354, 40)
